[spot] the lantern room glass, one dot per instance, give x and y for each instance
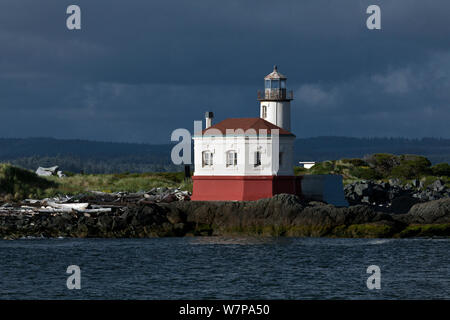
(275, 84)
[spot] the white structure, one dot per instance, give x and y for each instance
(208, 119)
(306, 164)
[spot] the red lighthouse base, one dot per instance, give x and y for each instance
(243, 188)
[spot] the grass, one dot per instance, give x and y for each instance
(132, 182)
(17, 184)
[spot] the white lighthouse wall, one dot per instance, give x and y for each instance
(278, 113)
(245, 148)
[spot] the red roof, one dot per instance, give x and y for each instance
(245, 124)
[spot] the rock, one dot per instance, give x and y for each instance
(438, 185)
(383, 194)
(281, 215)
(175, 216)
(363, 189)
(105, 222)
(421, 185)
(432, 212)
(403, 204)
(385, 185)
(379, 194)
(394, 182)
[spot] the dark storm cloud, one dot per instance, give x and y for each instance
(139, 69)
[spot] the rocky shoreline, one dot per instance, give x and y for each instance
(282, 215)
(393, 196)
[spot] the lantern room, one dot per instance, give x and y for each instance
(275, 86)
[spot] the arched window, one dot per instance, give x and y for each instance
(264, 112)
(231, 158)
(207, 158)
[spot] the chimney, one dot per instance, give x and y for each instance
(208, 117)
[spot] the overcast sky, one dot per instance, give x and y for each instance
(139, 69)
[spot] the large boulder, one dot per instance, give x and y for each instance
(431, 212)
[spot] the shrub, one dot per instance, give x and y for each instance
(383, 163)
(355, 162)
(325, 167)
(412, 167)
(299, 171)
(441, 169)
(365, 173)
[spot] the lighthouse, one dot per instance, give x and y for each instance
(245, 159)
(275, 100)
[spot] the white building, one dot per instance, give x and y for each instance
(248, 158)
(243, 146)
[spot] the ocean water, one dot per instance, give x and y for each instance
(225, 268)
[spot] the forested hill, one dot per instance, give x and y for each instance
(86, 156)
(52, 147)
(110, 157)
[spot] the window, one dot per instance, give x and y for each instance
(267, 85)
(281, 159)
(257, 162)
(283, 84)
(275, 84)
(264, 112)
(207, 158)
(231, 158)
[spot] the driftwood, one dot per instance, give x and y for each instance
(93, 202)
(70, 206)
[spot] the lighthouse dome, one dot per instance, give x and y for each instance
(275, 74)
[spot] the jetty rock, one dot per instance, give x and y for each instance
(281, 215)
(431, 212)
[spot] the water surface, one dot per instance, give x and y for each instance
(225, 268)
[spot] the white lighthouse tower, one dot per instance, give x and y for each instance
(276, 100)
